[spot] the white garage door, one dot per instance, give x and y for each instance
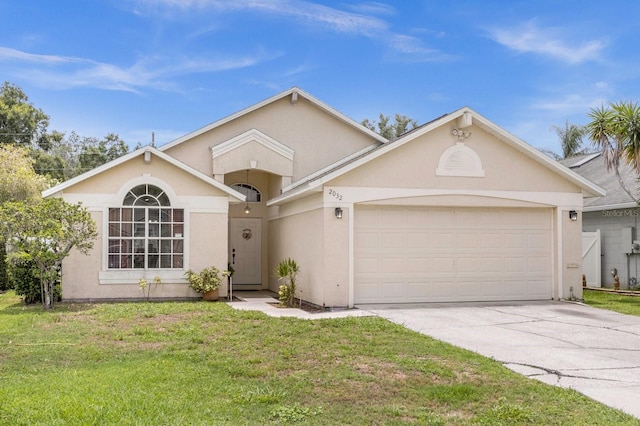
(418, 254)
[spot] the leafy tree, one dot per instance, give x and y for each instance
(615, 130)
(45, 232)
(18, 182)
(391, 131)
(20, 122)
(96, 152)
(570, 140)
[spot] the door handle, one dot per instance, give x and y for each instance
(233, 256)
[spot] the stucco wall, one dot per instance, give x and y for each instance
(300, 237)
(316, 137)
(414, 164)
(571, 256)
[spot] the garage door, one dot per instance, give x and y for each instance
(417, 254)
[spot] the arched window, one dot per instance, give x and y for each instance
(252, 193)
(146, 233)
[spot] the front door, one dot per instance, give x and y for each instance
(245, 250)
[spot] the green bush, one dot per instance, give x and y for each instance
(4, 276)
(24, 277)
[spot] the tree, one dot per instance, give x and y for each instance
(20, 122)
(570, 140)
(96, 152)
(615, 130)
(18, 182)
(391, 131)
(45, 232)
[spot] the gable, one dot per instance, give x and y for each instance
(250, 150)
(110, 178)
(317, 135)
(432, 160)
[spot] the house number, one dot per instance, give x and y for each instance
(335, 194)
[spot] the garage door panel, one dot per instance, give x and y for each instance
(394, 265)
(452, 254)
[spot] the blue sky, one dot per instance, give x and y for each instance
(172, 66)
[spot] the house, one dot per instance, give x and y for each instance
(610, 224)
(455, 210)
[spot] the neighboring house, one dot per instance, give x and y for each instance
(455, 210)
(614, 219)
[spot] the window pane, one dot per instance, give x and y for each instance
(125, 261)
(166, 230)
(126, 246)
(154, 261)
(139, 190)
(154, 246)
(139, 230)
(154, 229)
(177, 246)
(114, 229)
(138, 261)
(114, 215)
(127, 215)
(126, 229)
(177, 261)
(165, 261)
(154, 191)
(178, 215)
(164, 200)
(165, 246)
(154, 215)
(165, 216)
(178, 231)
(114, 246)
(114, 261)
(139, 215)
(129, 199)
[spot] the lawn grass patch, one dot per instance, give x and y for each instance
(617, 302)
(206, 363)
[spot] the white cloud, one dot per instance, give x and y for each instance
(529, 38)
(362, 22)
(66, 72)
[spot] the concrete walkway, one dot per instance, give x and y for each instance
(593, 351)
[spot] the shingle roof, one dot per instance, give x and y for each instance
(592, 167)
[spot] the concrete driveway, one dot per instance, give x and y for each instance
(593, 351)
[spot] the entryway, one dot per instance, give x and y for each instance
(245, 242)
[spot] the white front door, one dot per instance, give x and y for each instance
(245, 250)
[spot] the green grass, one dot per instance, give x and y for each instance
(205, 363)
(623, 303)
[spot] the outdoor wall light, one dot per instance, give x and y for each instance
(338, 212)
(247, 209)
(573, 215)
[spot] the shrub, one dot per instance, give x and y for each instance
(24, 277)
(288, 270)
(207, 280)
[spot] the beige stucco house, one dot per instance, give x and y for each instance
(455, 210)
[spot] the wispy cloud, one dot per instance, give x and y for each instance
(62, 72)
(528, 37)
(362, 20)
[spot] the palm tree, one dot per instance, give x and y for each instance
(570, 139)
(615, 130)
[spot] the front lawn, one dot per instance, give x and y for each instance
(617, 302)
(205, 363)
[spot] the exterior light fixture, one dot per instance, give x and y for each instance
(338, 212)
(573, 215)
(247, 209)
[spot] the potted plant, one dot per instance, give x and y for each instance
(205, 282)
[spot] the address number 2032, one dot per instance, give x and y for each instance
(335, 194)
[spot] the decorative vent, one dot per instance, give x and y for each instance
(460, 160)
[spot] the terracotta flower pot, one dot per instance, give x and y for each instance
(210, 295)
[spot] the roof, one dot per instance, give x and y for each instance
(467, 115)
(295, 93)
(593, 167)
(139, 152)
